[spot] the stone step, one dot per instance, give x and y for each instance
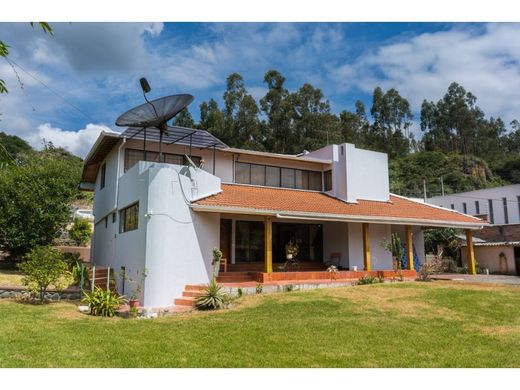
(194, 287)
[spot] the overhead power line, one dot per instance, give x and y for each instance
(53, 91)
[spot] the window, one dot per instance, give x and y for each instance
(249, 241)
(506, 216)
(491, 217)
(288, 177)
(103, 176)
(113, 217)
(518, 201)
(477, 207)
(258, 175)
(464, 208)
(272, 176)
(452, 206)
(129, 218)
(242, 173)
(133, 156)
(327, 178)
(266, 175)
(106, 222)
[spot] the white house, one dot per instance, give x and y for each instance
(499, 205)
(167, 213)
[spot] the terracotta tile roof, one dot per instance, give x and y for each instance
(295, 202)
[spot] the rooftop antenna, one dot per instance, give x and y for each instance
(155, 113)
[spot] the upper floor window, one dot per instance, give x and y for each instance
(464, 208)
(103, 176)
(491, 217)
(477, 207)
(133, 156)
(327, 180)
(129, 218)
(452, 206)
(506, 215)
(266, 175)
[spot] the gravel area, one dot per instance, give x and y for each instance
(496, 279)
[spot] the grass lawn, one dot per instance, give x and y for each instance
(438, 324)
(10, 278)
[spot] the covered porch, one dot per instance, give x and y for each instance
(257, 224)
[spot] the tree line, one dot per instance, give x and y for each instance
(457, 141)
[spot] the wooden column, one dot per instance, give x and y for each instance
(268, 244)
(366, 248)
(409, 247)
(470, 252)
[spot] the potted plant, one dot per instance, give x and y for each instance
(395, 247)
(138, 283)
(291, 250)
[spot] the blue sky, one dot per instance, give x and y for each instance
(96, 66)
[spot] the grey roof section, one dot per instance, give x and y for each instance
(176, 135)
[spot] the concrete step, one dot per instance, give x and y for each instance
(186, 301)
(192, 294)
(194, 287)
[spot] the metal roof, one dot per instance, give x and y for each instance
(176, 135)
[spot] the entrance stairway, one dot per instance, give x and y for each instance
(234, 277)
(189, 295)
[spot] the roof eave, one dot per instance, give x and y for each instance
(335, 217)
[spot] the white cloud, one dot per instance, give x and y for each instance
(77, 142)
(485, 60)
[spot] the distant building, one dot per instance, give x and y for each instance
(499, 205)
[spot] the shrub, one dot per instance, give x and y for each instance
(44, 266)
(259, 288)
(288, 288)
(213, 297)
(449, 265)
(430, 267)
(81, 231)
(239, 292)
(367, 280)
(103, 302)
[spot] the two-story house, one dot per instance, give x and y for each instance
(167, 211)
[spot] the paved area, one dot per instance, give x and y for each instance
(496, 279)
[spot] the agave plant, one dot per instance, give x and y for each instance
(213, 297)
(103, 302)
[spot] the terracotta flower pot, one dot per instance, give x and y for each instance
(134, 303)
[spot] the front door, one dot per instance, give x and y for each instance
(225, 239)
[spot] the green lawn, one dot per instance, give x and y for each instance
(10, 278)
(438, 324)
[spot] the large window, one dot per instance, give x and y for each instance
(129, 218)
(327, 179)
(133, 156)
(249, 241)
(266, 175)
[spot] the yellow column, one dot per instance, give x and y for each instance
(470, 252)
(366, 248)
(268, 245)
(409, 247)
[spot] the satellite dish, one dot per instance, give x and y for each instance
(154, 113)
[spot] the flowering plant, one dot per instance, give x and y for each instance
(291, 250)
(333, 270)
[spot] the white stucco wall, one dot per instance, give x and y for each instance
(105, 199)
(488, 257)
(496, 194)
(336, 240)
(380, 258)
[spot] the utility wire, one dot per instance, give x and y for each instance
(13, 63)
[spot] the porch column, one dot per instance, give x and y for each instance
(268, 244)
(366, 248)
(409, 247)
(470, 252)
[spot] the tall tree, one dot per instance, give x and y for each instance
(451, 124)
(212, 120)
(392, 118)
(354, 126)
(184, 119)
(277, 106)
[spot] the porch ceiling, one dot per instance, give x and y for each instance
(309, 205)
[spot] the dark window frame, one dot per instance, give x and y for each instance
(506, 213)
(491, 216)
(477, 207)
(152, 156)
(327, 180)
(464, 208)
(305, 173)
(452, 206)
(125, 223)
